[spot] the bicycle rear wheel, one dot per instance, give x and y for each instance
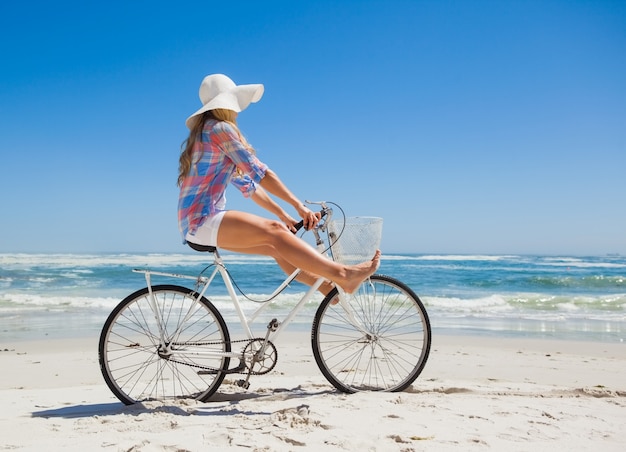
(378, 340)
(137, 366)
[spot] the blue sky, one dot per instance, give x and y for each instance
(469, 126)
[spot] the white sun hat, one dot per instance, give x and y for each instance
(219, 91)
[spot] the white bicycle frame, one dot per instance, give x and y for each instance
(205, 282)
(273, 331)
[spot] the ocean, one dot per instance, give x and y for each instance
(557, 297)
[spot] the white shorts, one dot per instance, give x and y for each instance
(207, 233)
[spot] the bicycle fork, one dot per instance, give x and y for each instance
(165, 342)
(344, 302)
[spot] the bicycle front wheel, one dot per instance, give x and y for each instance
(376, 340)
(170, 344)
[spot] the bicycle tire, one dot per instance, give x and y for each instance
(135, 365)
(385, 344)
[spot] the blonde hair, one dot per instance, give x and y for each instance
(219, 114)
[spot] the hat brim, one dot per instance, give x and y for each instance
(236, 99)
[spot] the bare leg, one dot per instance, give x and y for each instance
(304, 277)
(244, 230)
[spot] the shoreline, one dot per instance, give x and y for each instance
(472, 359)
(468, 329)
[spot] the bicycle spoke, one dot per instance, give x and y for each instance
(379, 340)
(140, 365)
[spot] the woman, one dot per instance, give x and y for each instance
(215, 154)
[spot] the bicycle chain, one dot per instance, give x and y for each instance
(244, 371)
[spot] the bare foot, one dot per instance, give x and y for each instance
(356, 274)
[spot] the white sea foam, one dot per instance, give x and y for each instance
(449, 257)
(456, 289)
(537, 306)
(491, 304)
(19, 301)
(584, 264)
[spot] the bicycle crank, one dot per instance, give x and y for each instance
(260, 356)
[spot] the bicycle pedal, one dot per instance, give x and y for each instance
(243, 384)
(273, 325)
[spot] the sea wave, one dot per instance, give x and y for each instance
(14, 302)
(467, 290)
(581, 263)
(538, 306)
(609, 307)
(593, 281)
(448, 257)
(59, 261)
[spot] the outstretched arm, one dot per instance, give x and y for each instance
(272, 183)
(261, 197)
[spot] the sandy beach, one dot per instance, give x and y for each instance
(476, 393)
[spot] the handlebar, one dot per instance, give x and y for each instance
(325, 211)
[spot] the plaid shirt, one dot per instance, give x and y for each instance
(215, 160)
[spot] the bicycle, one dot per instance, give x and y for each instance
(170, 341)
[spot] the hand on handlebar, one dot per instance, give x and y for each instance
(309, 218)
(294, 225)
(318, 215)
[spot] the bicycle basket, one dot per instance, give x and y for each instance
(356, 240)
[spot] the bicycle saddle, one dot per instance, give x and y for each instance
(203, 248)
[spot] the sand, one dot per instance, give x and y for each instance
(475, 394)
